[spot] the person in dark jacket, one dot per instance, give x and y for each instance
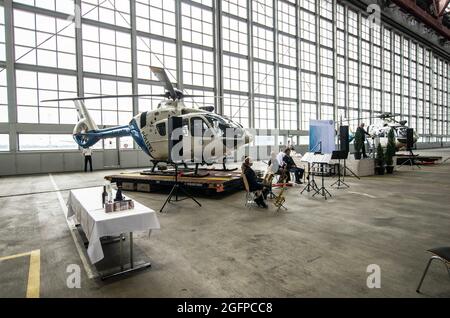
(253, 184)
(292, 167)
(363, 133)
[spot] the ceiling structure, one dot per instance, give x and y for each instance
(433, 13)
(429, 20)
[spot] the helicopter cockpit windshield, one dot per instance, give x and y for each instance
(223, 126)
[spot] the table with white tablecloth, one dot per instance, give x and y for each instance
(86, 206)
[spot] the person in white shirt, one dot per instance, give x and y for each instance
(280, 158)
(290, 166)
(87, 153)
(274, 165)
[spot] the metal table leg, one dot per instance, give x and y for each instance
(131, 250)
(133, 267)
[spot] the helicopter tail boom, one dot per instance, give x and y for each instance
(86, 132)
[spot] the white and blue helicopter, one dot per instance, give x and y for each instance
(149, 129)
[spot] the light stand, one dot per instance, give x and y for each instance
(344, 156)
(340, 155)
(410, 160)
(177, 187)
(350, 170)
(323, 191)
(311, 185)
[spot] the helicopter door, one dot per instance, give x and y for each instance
(198, 141)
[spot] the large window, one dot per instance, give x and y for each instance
(308, 26)
(106, 51)
(235, 7)
(2, 35)
(288, 83)
(309, 86)
(64, 6)
(4, 142)
(3, 97)
(308, 61)
(263, 43)
(149, 103)
(116, 12)
(198, 67)
(34, 87)
(309, 112)
(41, 142)
(44, 40)
(197, 25)
(287, 18)
(264, 79)
(287, 50)
(264, 113)
(234, 36)
(112, 111)
(288, 115)
(155, 52)
(263, 12)
(235, 73)
(156, 17)
(236, 108)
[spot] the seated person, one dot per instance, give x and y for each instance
(273, 168)
(292, 167)
(274, 165)
(253, 184)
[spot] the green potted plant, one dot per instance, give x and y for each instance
(358, 143)
(390, 152)
(380, 160)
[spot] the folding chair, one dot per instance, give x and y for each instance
(249, 196)
(441, 254)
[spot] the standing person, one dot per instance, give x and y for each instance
(363, 133)
(87, 153)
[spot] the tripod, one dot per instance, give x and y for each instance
(410, 160)
(311, 185)
(340, 180)
(348, 169)
(323, 191)
(177, 187)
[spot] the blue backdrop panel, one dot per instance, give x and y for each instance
(322, 131)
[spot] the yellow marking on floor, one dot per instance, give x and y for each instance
(34, 275)
(34, 271)
(7, 258)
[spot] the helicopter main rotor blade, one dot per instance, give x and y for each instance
(101, 97)
(381, 116)
(161, 75)
(197, 96)
(355, 119)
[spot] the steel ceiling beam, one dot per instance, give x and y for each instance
(433, 22)
(440, 6)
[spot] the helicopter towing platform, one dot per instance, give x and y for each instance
(206, 180)
(418, 159)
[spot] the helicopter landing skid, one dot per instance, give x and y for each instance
(156, 162)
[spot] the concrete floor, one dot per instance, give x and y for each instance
(317, 248)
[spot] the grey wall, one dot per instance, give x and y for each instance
(67, 161)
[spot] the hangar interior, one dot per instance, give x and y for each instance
(271, 66)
